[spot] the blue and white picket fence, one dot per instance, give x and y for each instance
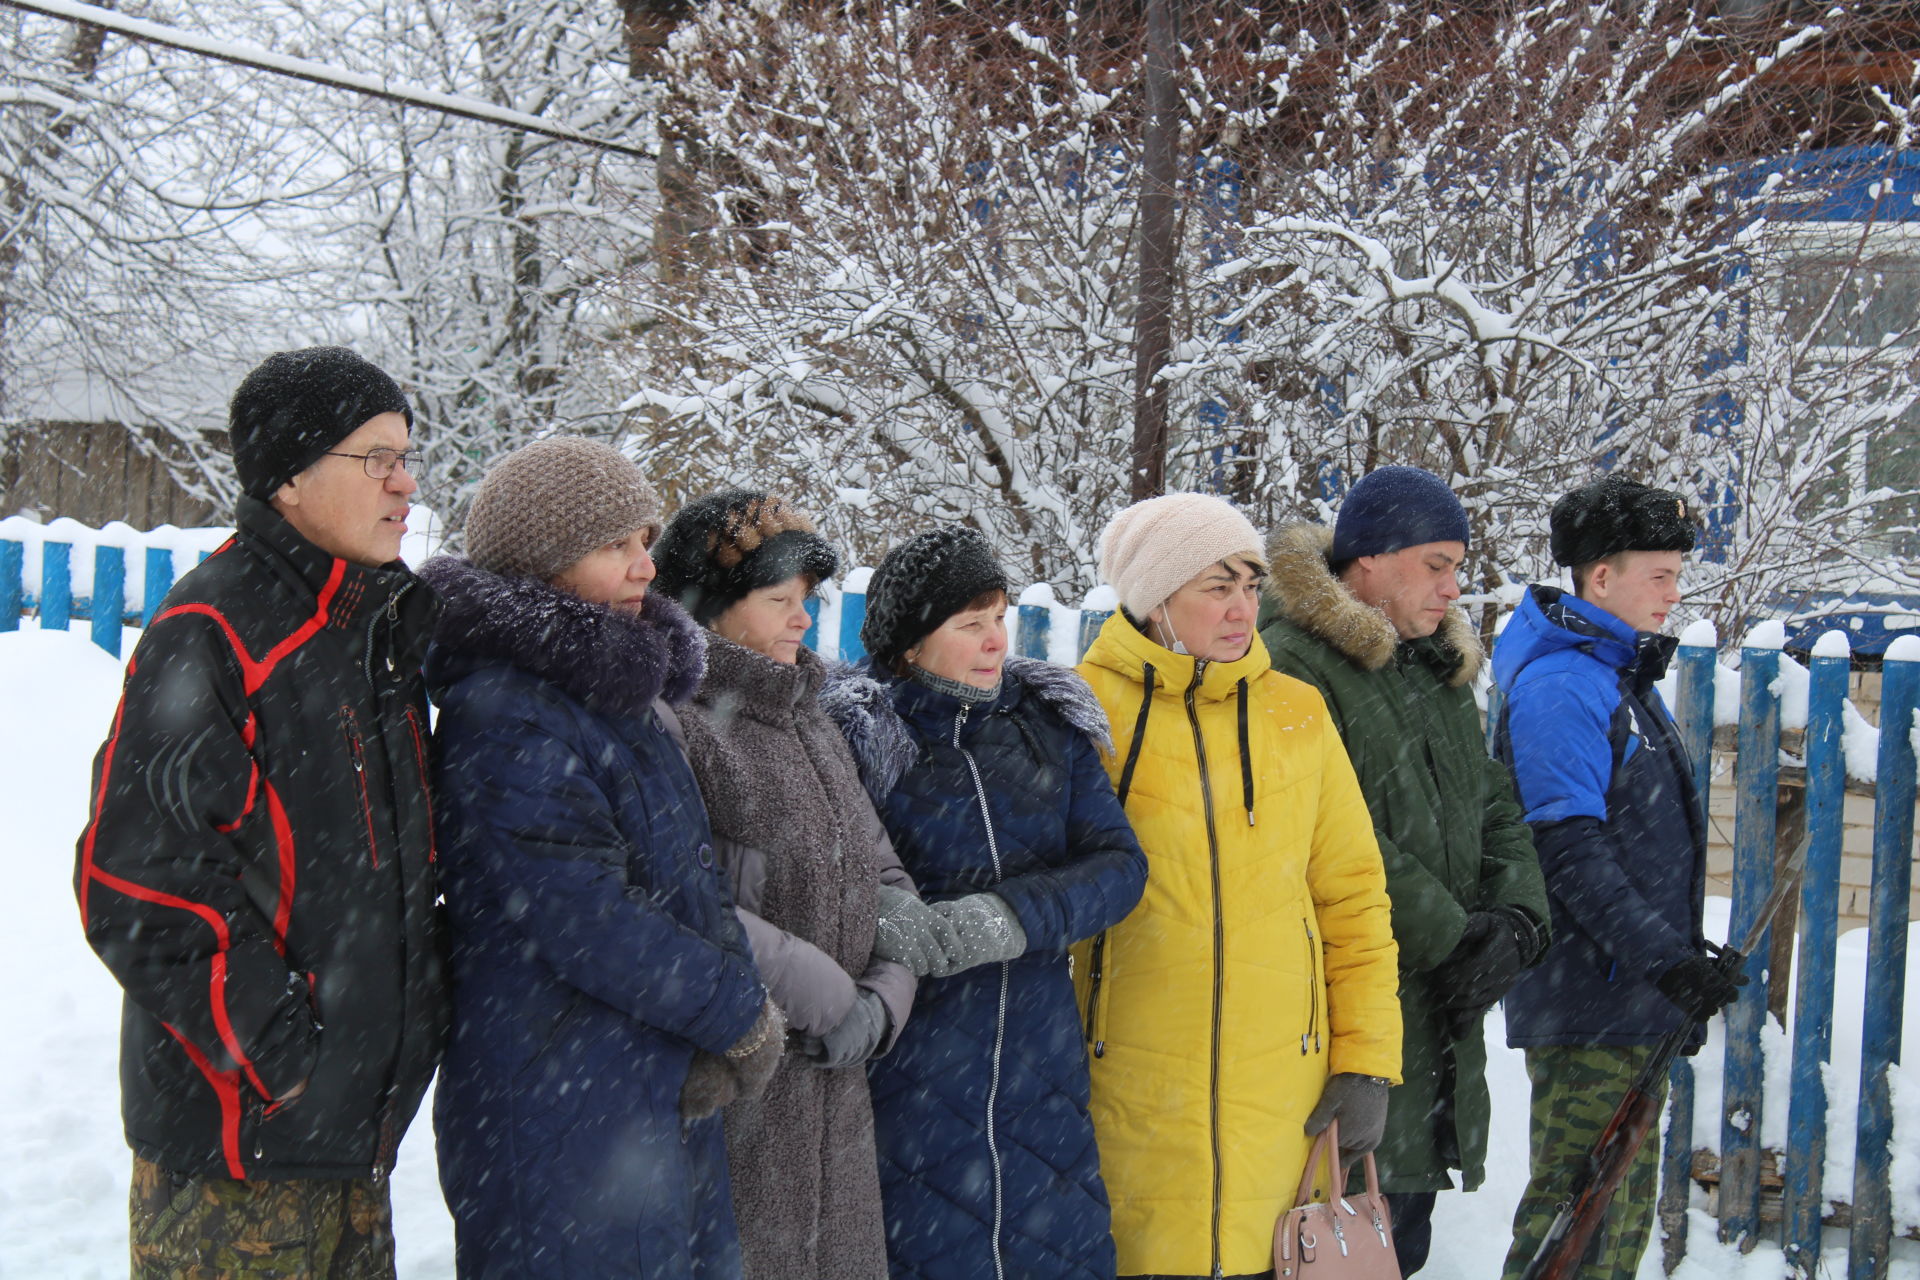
(59, 587)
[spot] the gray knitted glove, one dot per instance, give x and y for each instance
(909, 932)
(855, 1039)
(714, 1080)
(1360, 1103)
(710, 1085)
(984, 929)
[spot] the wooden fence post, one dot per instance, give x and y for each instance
(159, 582)
(1756, 798)
(56, 586)
(108, 604)
(13, 565)
(1826, 796)
(1036, 622)
(853, 616)
(1872, 1232)
(1694, 715)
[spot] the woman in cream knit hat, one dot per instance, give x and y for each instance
(1250, 999)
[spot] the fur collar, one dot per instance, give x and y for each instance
(614, 663)
(1302, 589)
(884, 747)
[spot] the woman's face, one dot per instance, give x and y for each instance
(971, 646)
(771, 620)
(1212, 613)
(615, 575)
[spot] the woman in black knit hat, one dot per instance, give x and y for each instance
(986, 770)
(810, 866)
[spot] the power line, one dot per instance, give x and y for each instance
(258, 59)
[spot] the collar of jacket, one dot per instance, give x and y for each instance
(360, 591)
(1642, 656)
(1122, 648)
(1302, 589)
(743, 681)
(868, 708)
(614, 663)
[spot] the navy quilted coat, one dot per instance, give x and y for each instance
(987, 1158)
(594, 947)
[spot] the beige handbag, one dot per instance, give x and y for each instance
(1350, 1238)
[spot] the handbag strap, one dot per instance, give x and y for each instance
(1326, 1148)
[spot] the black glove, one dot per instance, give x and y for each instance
(1360, 1104)
(1483, 965)
(1700, 986)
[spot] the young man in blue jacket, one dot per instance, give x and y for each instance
(1621, 833)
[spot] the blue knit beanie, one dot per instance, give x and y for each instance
(1393, 508)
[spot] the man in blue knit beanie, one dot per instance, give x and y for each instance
(1365, 614)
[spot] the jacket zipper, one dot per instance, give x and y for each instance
(1219, 952)
(1313, 991)
(426, 791)
(357, 750)
(1000, 1016)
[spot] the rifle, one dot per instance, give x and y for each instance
(1581, 1215)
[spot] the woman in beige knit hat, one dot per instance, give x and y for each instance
(1250, 998)
(605, 1003)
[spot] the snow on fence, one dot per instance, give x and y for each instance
(64, 572)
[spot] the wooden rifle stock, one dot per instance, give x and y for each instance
(1564, 1249)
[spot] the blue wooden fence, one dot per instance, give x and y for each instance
(1756, 846)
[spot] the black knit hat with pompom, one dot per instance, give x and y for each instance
(923, 582)
(718, 548)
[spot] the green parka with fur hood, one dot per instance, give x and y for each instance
(1449, 825)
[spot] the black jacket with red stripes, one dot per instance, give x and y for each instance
(258, 869)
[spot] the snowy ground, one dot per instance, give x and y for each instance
(63, 1187)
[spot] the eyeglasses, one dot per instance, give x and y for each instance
(379, 463)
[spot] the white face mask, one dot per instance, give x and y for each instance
(1178, 646)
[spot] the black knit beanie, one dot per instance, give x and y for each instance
(923, 582)
(718, 548)
(296, 405)
(1615, 514)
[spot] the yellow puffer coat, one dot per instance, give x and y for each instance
(1260, 961)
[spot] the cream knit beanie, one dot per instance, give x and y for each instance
(548, 503)
(1150, 550)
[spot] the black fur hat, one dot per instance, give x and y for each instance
(1614, 514)
(923, 582)
(296, 405)
(720, 547)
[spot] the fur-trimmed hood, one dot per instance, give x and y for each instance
(614, 663)
(885, 748)
(1302, 590)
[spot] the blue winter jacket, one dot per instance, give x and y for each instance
(986, 1148)
(1608, 789)
(594, 947)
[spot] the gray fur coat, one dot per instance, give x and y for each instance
(805, 853)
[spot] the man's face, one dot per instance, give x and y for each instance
(342, 510)
(1412, 586)
(1638, 587)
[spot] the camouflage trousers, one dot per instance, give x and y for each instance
(1575, 1091)
(185, 1228)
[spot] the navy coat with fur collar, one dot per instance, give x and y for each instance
(980, 1110)
(594, 947)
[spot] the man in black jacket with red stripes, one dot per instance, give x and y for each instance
(258, 868)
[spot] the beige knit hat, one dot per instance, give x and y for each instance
(1150, 550)
(548, 503)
